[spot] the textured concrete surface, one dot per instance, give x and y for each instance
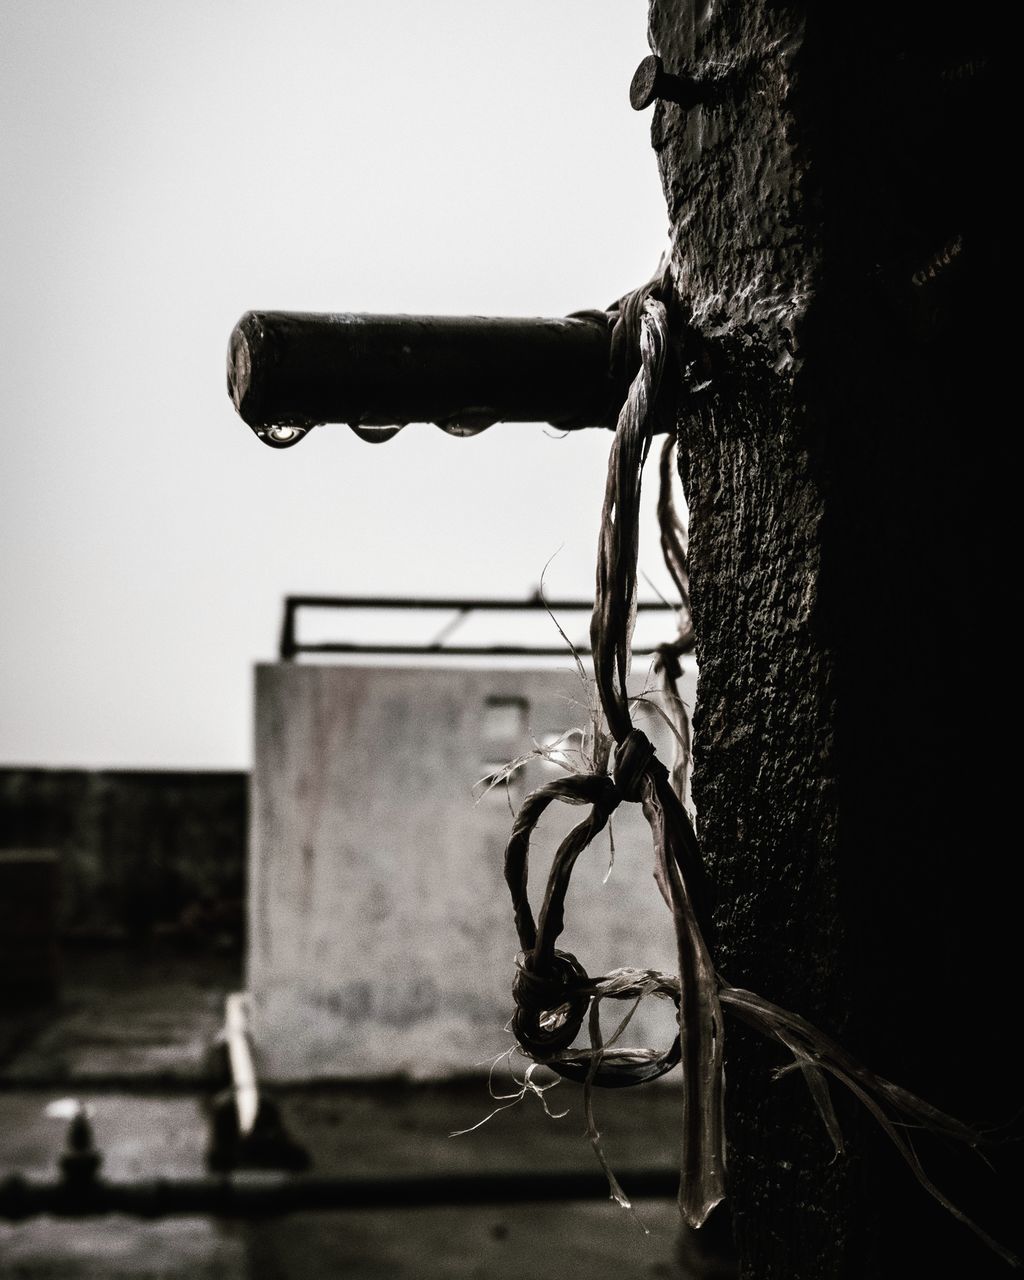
(381, 937)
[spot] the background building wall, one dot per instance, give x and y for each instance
(381, 935)
(141, 853)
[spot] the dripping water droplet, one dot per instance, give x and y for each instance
(281, 435)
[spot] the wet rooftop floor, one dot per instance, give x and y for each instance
(130, 1039)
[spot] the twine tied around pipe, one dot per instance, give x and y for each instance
(552, 991)
(553, 994)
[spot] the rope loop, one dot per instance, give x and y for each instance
(550, 1006)
(643, 348)
(549, 1015)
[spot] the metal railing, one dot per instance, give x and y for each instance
(291, 646)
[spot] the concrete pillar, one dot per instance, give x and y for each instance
(833, 204)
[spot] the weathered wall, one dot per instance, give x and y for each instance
(831, 212)
(141, 852)
(381, 931)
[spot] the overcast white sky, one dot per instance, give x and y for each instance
(165, 166)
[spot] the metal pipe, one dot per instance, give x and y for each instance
(289, 371)
(261, 1194)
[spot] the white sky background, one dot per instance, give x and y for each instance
(165, 167)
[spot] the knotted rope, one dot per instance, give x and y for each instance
(552, 991)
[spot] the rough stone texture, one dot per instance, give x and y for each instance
(381, 933)
(832, 215)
